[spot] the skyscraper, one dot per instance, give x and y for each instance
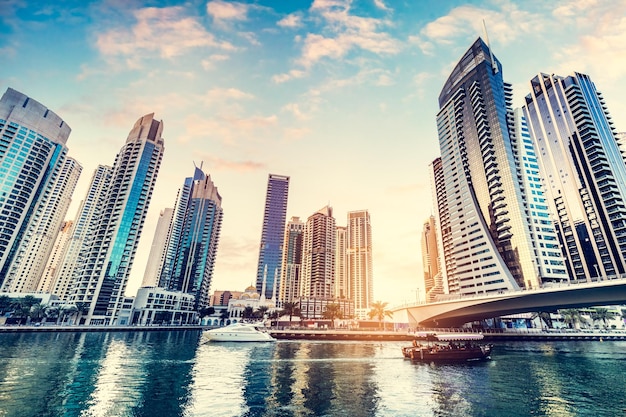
(318, 260)
(359, 261)
(158, 250)
(32, 254)
(584, 171)
(105, 270)
(292, 262)
(433, 285)
(83, 232)
(32, 153)
(272, 234)
(59, 249)
(342, 284)
(193, 242)
(484, 190)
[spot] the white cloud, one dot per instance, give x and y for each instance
(506, 23)
(212, 60)
(281, 78)
(223, 12)
(219, 95)
(290, 21)
(167, 32)
(381, 4)
(342, 33)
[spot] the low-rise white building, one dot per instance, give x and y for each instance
(154, 305)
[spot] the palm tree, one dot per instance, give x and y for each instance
(5, 303)
(248, 312)
(52, 312)
(260, 312)
(67, 311)
(291, 309)
(37, 312)
(601, 314)
(332, 312)
(544, 317)
(571, 317)
(378, 311)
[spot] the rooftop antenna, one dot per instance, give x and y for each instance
(494, 66)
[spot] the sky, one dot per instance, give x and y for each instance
(339, 95)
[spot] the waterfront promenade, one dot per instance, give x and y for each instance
(325, 334)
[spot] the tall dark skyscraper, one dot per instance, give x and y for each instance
(584, 172)
(194, 238)
(272, 235)
(101, 281)
(488, 215)
(32, 154)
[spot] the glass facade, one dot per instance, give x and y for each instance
(272, 235)
(192, 246)
(584, 171)
(32, 154)
(109, 257)
(482, 195)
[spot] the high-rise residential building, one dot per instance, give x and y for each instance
(487, 216)
(318, 258)
(83, 232)
(106, 266)
(292, 262)
(33, 253)
(158, 250)
(272, 235)
(584, 172)
(342, 284)
(433, 285)
(192, 245)
(59, 249)
(359, 261)
(32, 154)
(446, 262)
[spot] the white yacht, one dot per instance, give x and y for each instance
(238, 332)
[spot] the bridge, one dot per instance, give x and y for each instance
(454, 312)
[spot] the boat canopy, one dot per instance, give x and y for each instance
(459, 336)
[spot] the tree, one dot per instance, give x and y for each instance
(571, 317)
(52, 312)
(291, 309)
(332, 312)
(544, 317)
(260, 313)
(5, 303)
(601, 314)
(206, 311)
(248, 312)
(379, 312)
(67, 311)
(37, 312)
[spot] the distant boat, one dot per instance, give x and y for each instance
(454, 347)
(238, 332)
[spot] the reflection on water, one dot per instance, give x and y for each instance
(174, 374)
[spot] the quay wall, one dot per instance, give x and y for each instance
(345, 335)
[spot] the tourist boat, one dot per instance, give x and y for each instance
(454, 347)
(238, 332)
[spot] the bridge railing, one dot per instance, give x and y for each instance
(593, 281)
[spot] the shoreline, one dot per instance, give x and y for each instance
(344, 335)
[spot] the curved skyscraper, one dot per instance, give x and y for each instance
(32, 154)
(488, 242)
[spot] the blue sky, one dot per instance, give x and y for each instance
(339, 95)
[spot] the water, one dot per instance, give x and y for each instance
(174, 374)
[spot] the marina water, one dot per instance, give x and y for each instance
(172, 373)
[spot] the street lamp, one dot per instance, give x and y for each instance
(597, 271)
